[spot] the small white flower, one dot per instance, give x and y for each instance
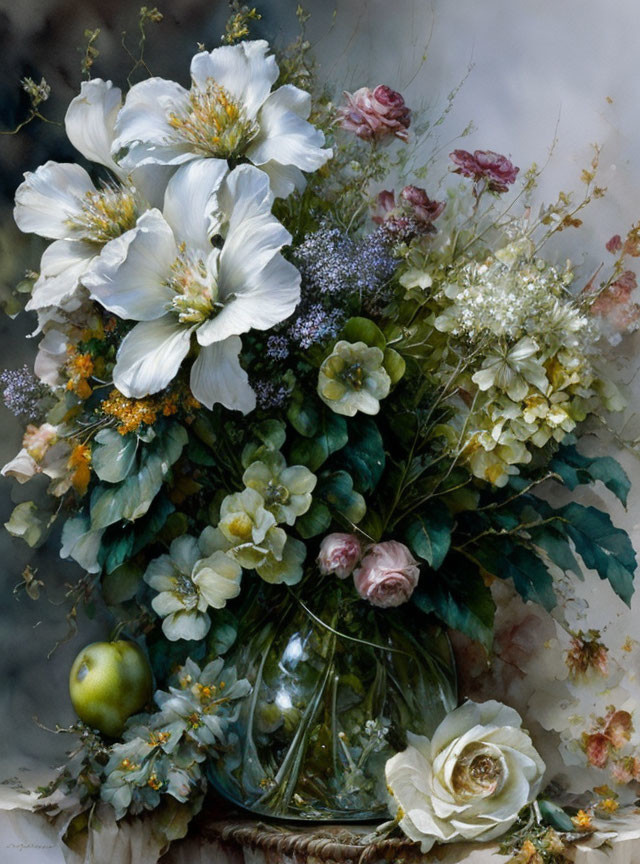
(353, 378)
(469, 781)
(286, 490)
(166, 275)
(230, 111)
(512, 369)
(189, 581)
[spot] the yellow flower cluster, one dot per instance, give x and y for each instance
(80, 465)
(131, 414)
(79, 368)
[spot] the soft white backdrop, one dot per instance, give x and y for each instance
(540, 69)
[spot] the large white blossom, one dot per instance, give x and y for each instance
(187, 293)
(469, 781)
(60, 201)
(230, 111)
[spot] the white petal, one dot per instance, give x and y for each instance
(165, 603)
(285, 135)
(244, 70)
(284, 179)
(50, 197)
(186, 625)
(150, 182)
(185, 552)
(190, 200)
(91, 118)
(143, 129)
(129, 277)
(218, 377)
(246, 194)
(265, 299)
(62, 267)
(51, 356)
(23, 467)
(150, 356)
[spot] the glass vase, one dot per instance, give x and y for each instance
(336, 686)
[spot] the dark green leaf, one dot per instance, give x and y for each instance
(460, 599)
(315, 521)
(555, 816)
(303, 414)
(122, 584)
(337, 491)
(429, 535)
(508, 560)
(576, 468)
(314, 452)
(557, 547)
(364, 330)
(113, 455)
(394, 365)
(364, 457)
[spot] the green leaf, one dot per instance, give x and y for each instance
(28, 523)
(314, 452)
(113, 455)
(120, 543)
(364, 457)
(337, 491)
(394, 365)
(508, 560)
(576, 468)
(429, 535)
(557, 547)
(223, 633)
(81, 543)
(603, 547)
(315, 521)
(555, 816)
(364, 330)
(460, 598)
(122, 584)
(273, 433)
(303, 414)
(132, 498)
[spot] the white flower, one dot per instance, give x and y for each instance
(512, 370)
(166, 275)
(229, 112)
(352, 378)
(60, 201)
(470, 781)
(286, 490)
(189, 581)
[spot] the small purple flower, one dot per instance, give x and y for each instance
(316, 324)
(375, 114)
(22, 393)
(277, 347)
(270, 394)
(497, 170)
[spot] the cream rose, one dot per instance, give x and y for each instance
(469, 781)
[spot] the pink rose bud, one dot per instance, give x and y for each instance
(388, 574)
(339, 554)
(497, 170)
(375, 114)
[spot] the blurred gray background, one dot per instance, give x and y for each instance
(537, 66)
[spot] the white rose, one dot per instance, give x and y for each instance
(470, 781)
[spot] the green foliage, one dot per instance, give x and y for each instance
(574, 468)
(113, 454)
(429, 535)
(460, 598)
(303, 414)
(316, 520)
(364, 457)
(364, 330)
(555, 816)
(336, 489)
(330, 437)
(29, 523)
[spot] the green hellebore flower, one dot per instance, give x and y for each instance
(353, 379)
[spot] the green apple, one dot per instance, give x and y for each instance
(108, 682)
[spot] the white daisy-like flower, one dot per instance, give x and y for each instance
(186, 292)
(189, 581)
(230, 111)
(59, 200)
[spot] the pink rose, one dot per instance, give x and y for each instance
(497, 170)
(374, 114)
(339, 554)
(413, 215)
(387, 575)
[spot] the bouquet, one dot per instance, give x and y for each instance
(299, 429)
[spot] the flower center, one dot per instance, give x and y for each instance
(354, 376)
(186, 591)
(480, 772)
(241, 526)
(195, 291)
(213, 123)
(106, 214)
(276, 493)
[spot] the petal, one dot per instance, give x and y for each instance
(218, 579)
(50, 198)
(265, 299)
(244, 194)
(161, 574)
(218, 377)
(165, 603)
(285, 135)
(129, 277)
(23, 467)
(143, 128)
(190, 200)
(150, 183)
(284, 179)
(62, 267)
(91, 118)
(150, 356)
(186, 625)
(51, 356)
(244, 70)
(184, 553)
